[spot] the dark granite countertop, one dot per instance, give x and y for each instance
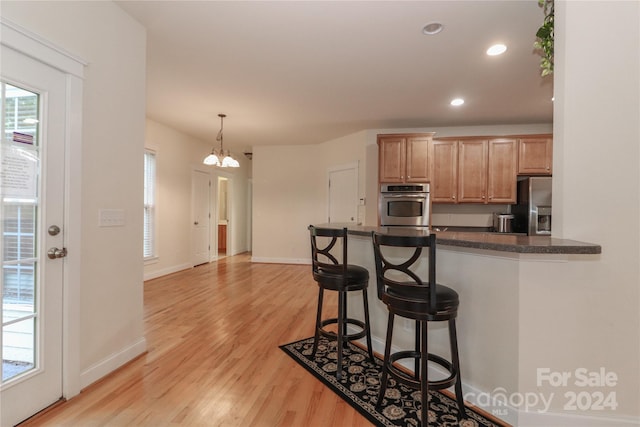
(486, 240)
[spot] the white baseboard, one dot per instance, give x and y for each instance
(111, 363)
(165, 271)
(267, 260)
(528, 419)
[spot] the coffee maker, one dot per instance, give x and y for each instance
(532, 213)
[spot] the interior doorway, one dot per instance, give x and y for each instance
(223, 216)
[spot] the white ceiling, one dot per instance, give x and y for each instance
(305, 72)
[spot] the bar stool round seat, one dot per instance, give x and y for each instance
(332, 272)
(405, 294)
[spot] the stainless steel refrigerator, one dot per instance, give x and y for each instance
(532, 213)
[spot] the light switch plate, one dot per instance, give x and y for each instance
(111, 218)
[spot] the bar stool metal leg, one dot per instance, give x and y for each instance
(387, 354)
(456, 366)
(342, 312)
(424, 378)
(318, 322)
(365, 301)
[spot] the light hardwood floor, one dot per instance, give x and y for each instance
(213, 359)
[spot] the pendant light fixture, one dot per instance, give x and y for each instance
(220, 158)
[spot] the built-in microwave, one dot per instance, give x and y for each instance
(404, 205)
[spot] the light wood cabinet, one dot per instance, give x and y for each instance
(222, 237)
(502, 176)
(391, 152)
(535, 155)
(444, 171)
(464, 169)
(404, 157)
(474, 170)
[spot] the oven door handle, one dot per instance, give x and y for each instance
(404, 196)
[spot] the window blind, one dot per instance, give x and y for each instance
(149, 203)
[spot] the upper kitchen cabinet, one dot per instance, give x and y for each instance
(444, 171)
(404, 157)
(502, 176)
(474, 170)
(535, 155)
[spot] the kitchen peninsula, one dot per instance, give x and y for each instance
(492, 274)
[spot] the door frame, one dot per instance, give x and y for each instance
(30, 44)
(230, 216)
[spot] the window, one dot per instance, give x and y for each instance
(149, 204)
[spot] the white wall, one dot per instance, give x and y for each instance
(114, 45)
(177, 155)
(287, 197)
(584, 314)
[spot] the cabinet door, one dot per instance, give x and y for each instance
(472, 171)
(222, 237)
(417, 165)
(535, 156)
(502, 176)
(391, 151)
(444, 171)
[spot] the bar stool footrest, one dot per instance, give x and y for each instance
(405, 378)
(346, 337)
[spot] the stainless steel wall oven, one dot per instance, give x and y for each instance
(404, 205)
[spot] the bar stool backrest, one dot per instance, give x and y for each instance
(325, 259)
(405, 270)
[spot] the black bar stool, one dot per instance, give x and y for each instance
(406, 295)
(333, 273)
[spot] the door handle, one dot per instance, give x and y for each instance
(54, 253)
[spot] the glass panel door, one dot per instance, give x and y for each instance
(33, 122)
(20, 171)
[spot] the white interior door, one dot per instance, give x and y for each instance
(32, 191)
(343, 194)
(201, 212)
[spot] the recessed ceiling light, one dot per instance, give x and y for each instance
(432, 28)
(496, 49)
(457, 102)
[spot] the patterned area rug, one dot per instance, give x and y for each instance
(361, 382)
